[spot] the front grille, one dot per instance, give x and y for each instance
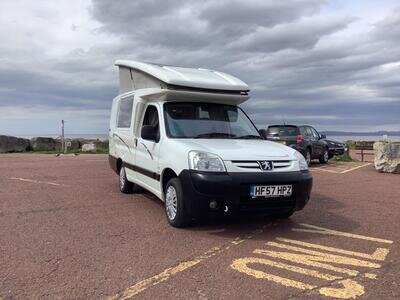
(253, 164)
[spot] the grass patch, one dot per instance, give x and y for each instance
(351, 144)
(343, 157)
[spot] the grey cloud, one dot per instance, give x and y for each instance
(245, 14)
(205, 24)
(297, 35)
(389, 28)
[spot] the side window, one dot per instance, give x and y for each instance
(314, 133)
(308, 132)
(125, 113)
(151, 118)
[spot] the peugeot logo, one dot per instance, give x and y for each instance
(266, 165)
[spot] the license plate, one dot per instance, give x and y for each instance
(281, 142)
(270, 190)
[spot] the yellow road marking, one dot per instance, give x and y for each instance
(351, 289)
(305, 260)
(241, 265)
(292, 268)
(182, 266)
(303, 253)
(237, 241)
(164, 275)
(327, 231)
(370, 275)
(326, 257)
(37, 181)
(379, 253)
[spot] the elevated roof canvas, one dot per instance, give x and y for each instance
(187, 77)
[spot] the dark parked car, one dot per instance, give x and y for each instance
(304, 139)
(335, 147)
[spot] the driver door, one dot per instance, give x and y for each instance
(147, 153)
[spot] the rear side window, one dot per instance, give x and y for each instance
(282, 131)
(314, 133)
(125, 113)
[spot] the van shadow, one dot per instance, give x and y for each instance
(322, 211)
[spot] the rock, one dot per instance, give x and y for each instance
(387, 157)
(89, 147)
(13, 144)
(44, 144)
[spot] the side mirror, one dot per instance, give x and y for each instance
(323, 136)
(149, 133)
(263, 133)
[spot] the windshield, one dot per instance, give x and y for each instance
(208, 120)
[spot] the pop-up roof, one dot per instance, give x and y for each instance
(135, 75)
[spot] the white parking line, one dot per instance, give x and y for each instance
(352, 169)
(326, 168)
(38, 181)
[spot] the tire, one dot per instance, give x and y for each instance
(307, 156)
(125, 186)
(324, 157)
(174, 204)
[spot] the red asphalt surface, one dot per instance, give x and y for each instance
(66, 232)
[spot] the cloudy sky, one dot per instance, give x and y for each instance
(332, 64)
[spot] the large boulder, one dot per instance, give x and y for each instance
(13, 144)
(89, 147)
(44, 144)
(387, 157)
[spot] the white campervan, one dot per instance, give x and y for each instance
(180, 134)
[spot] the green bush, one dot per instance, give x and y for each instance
(343, 157)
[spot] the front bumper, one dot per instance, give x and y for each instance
(336, 151)
(232, 190)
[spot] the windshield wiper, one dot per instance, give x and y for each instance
(214, 135)
(250, 137)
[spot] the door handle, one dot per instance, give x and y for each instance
(135, 142)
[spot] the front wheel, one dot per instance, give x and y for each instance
(174, 204)
(324, 157)
(125, 185)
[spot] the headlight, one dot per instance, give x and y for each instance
(302, 161)
(203, 161)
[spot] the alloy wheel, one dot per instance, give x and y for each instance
(122, 178)
(171, 202)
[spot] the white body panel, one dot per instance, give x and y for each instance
(188, 77)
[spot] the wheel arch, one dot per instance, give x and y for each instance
(119, 165)
(309, 148)
(166, 175)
